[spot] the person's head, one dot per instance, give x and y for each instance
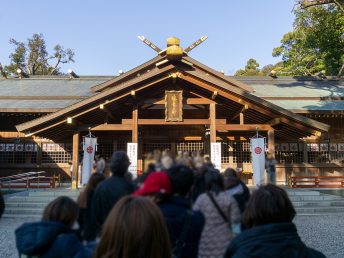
(230, 172)
(213, 180)
(97, 157)
(92, 183)
(268, 204)
(119, 163)
(167, 161)
(157, 186)
(230, 178)
(182, 179)
(135, 228)
(63, 209)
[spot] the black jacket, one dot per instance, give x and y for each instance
(174, 211)
(2, 204)
(106, 195)
(49, 239)
(88, 229)
(270, 241)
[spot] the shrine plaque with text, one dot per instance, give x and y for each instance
(174, 106)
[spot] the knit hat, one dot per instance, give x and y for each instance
(156, 182)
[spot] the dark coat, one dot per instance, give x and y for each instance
(241, 198)
(271, 241)
(88, 228)
(2, 204)
(174, 211)
(106, 195)
(49, 239)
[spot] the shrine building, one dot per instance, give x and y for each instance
(172, 102)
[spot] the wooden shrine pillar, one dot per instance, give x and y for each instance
(75, 160)
(212, 117)
(241, 117)
(134, 131)
(271, 143)
(135, 137)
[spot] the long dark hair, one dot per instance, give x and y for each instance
(213, 181)
(268, 204)
(92, 183)
(135, 228)
(63, 209)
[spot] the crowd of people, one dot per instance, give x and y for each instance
(179, 208)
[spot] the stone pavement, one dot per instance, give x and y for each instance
(322, 232)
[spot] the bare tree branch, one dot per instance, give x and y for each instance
(308, 3)
(340, 71)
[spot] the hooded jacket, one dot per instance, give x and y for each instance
(271, 241)
(174, 210)
(48, 239)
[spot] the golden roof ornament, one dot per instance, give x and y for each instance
(174, 51)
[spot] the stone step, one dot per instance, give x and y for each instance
(44, 199)
(71, 193)
(323, 203)
(26, 205)
(26, 211)
(26, 216)
(313, 210)
(314, 198)
(302, 193)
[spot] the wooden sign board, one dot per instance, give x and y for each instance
(173, 106)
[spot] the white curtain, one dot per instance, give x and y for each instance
(87, 162)
(258, 160)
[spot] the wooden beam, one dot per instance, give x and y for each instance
(213, 96)
(97, 105)
(189, 101)
(134, 132)
(111, 127)
(184, 122)
(212, 118)
(275, 121)
(199, 101)
(256, 107)
(212, 89)
(107, 111)
(241, 118)
(75, 159)
(246, 127)
(11, 135)
(236, 114)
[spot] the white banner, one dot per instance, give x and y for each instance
(215, 154)
(87, 162)
(132, 154)
(258, 160)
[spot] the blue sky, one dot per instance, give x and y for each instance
(103, 34)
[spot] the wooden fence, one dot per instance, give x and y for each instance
(317, 181)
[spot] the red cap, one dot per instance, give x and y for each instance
(157, 182)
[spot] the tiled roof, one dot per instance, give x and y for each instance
(56, 92)
(45, 92)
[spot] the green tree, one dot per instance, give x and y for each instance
(251, 69)
(316, 44)
(33, 58)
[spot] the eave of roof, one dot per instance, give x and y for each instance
(124, 76)
(99, 96)
(261, 102)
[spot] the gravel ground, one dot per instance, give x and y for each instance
(322, 232)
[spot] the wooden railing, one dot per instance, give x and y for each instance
(317, 181)
(29, 180)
